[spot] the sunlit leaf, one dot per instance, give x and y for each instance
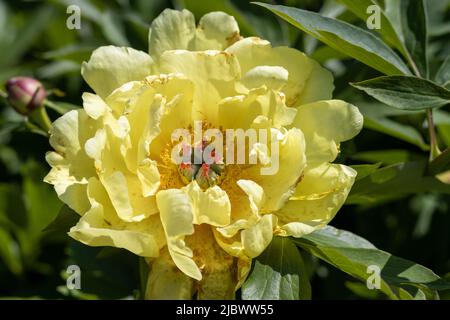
(405, 92)
(360, 8)
(356, 42)
(278, 273)
(357, 257)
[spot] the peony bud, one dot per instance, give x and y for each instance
(25, 94)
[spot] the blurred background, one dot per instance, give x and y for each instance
(34, 41)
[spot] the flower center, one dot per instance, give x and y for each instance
(196, 168)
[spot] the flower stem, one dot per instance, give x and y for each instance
(434, 148)
(40, 117)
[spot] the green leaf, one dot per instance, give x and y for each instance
(326, 53)
(353, 41)
(113, 29)
(359, 8)
(75, 52)
(58, 68)
(27, 35)
(115, 276)
(405, 92)
(87, 8)
(387, 156)
(392, 11)
(9, 253)
(377, 117)
(364, 170)
(413, 19)
(40, 212)
(65, 219)
(278, 273)
(441, 163)
(443, 74)
(362, 291)
(400, 278)
(395, 181)
(61, 107)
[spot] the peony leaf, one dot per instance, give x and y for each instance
(413, 19)
(405, 92)
(399, 278)
(278, 273)
(395, 181)
(377, 117)
(65, 219)
(387, 31)
(353, 41)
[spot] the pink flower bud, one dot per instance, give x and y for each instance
(25, 94)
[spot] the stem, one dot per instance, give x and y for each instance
(50, 104)
(40, 117)
(143, 275)
(434, 152)
(434, 148)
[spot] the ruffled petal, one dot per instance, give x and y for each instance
(71, 167)
(101, 227)
(212, 72)
(110, 67)
(317, 199)
(171, 30)
(283, 170)
(177, 219)
(216, 31)
(252, 52)
(176, 30)
(211, 206)
(325, 124)
(256, 238)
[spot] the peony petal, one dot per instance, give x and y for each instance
(273, 77)
(325, 124)
(256, 238)
(319, 85)
(212, 72)
(177, 219)
(252, 52)
(171, 30)
(110, 67)
(317, 199)
(94, 106)
(215, 31)
(240, 112)
(92, 230)
(211, 206)
(166, 282)
(280, 177)
(71, 167)
(149, 177)
(175, 30)
(100, 227)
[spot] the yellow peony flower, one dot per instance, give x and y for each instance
(199, 228)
